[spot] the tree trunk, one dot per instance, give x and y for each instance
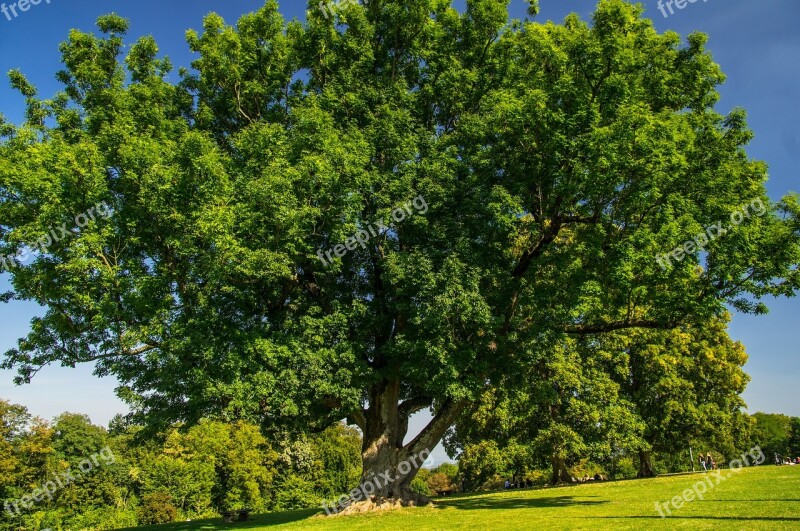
(560, 472)
(389, 466)
(645, 464)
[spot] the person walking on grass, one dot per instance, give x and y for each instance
(709, 461)
(702, 463)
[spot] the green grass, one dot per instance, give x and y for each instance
(766, 497)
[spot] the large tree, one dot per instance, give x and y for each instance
(555, 162)
(686, 385)
(568, 408)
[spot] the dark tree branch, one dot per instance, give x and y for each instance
(436, 428)
(412, 405)
(601, 328)
(134, 352)
(358, 418)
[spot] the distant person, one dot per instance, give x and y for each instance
(508, 484)
(778, 461)
(702, 463)
(709, 461)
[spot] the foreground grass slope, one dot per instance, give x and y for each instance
(766, 497)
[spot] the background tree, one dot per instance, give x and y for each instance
(773, 433)
(187, 472)
(13, 422)
(686, 385)
(571, 411)
(338, 451)
(75, 439)
(555, 162)
(479, 463)
(794, 438)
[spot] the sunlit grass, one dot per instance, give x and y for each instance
(766, 497)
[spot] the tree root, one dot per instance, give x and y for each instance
(379, 504)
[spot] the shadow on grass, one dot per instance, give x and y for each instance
(779, 500)
(517, 503)
(702, 517)
(258, 521)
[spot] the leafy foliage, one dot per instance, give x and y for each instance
(183, 474)
(157, 508)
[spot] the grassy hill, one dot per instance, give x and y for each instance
(766, 497)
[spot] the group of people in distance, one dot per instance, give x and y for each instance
(707, 463)
(596, 477)
(524, 484)
(783, 460)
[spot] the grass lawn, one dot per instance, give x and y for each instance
(766, 497)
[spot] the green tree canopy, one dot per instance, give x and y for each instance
(686, 387)
(774, 433)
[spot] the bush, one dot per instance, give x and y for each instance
(439, 482)
(449, 469)
(495, 482)
(538, 477)
(157, 508)
(95, 518)
(586, 468)
(626, 469)
(480, 464)
(420, 486)
(295, 492)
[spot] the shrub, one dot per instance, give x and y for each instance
(420, 486)
(439, 482)
(480, 464)
(157, 508)
(625, 469)
(295, 492)
(538, 477)
(495, 482)
(586, 468)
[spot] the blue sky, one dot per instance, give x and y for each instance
(756, 43)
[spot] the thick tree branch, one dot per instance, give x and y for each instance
(601, 328)
(135, 352)
(412, 405)
(358, 418)
(436, 428)
(528, 257)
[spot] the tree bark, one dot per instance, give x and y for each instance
(560, 472)
(389, 466)
(645, 464)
